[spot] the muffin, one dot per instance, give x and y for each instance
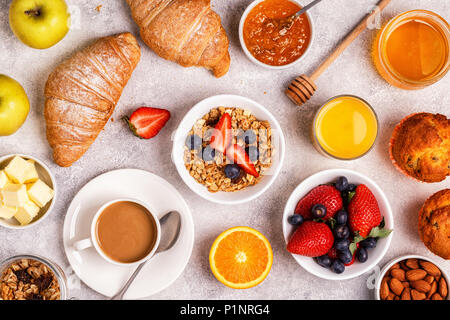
(434, 223)
(420, 147)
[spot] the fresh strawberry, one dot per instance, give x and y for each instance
(223, 134)
(326, 195)
(332, 253)
(238, 155)
(363, 211)
(311, 239)
(146, 122)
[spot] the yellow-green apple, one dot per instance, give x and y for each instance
(39, 24)
(14, 105)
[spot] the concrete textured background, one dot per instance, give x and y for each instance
(160, 83)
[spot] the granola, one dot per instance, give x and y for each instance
(211, 172)
(28, 279)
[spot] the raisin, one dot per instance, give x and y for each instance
(22, 275)
(43, 281)
(34, 296)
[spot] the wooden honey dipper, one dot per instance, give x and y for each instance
(303, 87)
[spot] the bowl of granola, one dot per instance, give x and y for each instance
(30, 277)
(228, 149)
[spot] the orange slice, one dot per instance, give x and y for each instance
(241, 257)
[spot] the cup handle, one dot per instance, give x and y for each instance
(82, 244)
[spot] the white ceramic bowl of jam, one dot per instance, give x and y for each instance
(375, 254)
(229, 101)
(302, 31)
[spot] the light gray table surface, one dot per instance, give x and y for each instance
(160, 83)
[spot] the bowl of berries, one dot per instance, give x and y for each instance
(338, 224)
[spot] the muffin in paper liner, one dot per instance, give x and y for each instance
(434, 223)
(425, 139)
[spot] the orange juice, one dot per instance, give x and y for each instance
(345, 128)
(412, 50)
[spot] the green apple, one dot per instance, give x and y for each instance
(39, 24)
(14, 105)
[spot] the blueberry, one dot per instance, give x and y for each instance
(295, 219)
(351, 187)
(324, 261)
(193, 142)
(337, 267)
(253, 153)
(341, 217)
(248, 136)
(342, 183)
(341, 231)
(369, 243)
(208, 153)
(345, 256)
(362, 255)
(342, 245)
(318, 211)
(232, 171)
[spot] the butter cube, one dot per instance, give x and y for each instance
(14, 195)
(17, 170)
(40, 193)
(7, 212)
(27, 213)
(31, 174)
(3, 179)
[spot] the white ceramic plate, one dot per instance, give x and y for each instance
(104, 277)
(375, 255)
(196, 113)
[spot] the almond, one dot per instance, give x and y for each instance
(396, 286)
(436, 296)
(406, 294)
(416, 274)
(390, 296)
(384, 289)
(432, 290)
(421, 285)
(443, 289)
(395, 266)
(398, 274)
(416, 295)
(403, 265)
(429, 279)
(412, 263)
(430, 268)
(406, 284)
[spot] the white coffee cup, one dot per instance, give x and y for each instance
(93, 241)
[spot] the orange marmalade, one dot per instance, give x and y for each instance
(264, 39)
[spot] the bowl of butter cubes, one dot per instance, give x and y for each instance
(27, 191)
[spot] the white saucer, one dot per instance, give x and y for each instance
(104, 277)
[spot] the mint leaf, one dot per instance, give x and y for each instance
(378, 232)
(352, 247)
(351, 194)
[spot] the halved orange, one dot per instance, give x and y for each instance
(241, 257)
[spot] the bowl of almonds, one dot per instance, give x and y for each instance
(412, 277)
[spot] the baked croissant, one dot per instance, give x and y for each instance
(185, 31)
(82, 92)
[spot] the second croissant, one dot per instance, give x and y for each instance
(184, 31)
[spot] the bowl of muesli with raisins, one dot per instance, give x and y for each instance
(228, 149)
(29, 277)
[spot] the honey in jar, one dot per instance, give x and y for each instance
(412, 50)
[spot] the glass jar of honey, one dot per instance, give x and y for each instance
(412, 50)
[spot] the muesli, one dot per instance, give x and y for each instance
(228, 149)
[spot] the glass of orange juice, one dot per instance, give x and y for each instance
(412, 50)
(345, 128)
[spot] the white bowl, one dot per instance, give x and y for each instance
(394, 261)
(256, 61)
(46, 176)
(196, 113)
(375, 254)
